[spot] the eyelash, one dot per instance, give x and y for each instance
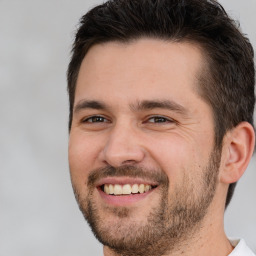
(101, 119)
(161, 119)
(86, 120)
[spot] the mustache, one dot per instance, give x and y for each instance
(128, 171)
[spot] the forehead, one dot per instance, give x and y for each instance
(141, 68)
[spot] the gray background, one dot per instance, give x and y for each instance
(38, 214)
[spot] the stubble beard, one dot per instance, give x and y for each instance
(168, 224)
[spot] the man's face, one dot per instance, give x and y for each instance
(141, 151)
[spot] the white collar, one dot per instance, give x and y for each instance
(241, 249)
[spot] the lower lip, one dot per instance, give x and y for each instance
(123, 200)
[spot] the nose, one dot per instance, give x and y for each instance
(123, 146)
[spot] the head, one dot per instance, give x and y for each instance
(225, 82)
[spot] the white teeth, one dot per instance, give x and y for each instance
(111, 189)
(118, 190)
(147, 188)
(141, 188)
(126, 189)
(135, 188)
(106, 189)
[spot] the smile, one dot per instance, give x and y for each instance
(126, 189)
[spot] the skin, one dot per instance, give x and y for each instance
(121, 75)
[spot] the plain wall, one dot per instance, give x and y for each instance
(38, 214)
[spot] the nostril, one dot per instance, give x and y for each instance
(127, 162)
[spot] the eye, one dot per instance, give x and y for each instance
(95, 119)
(160, 119)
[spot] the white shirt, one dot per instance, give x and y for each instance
(241, 249)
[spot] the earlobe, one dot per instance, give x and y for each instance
(239, 147)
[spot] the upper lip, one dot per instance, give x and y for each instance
(124, 180)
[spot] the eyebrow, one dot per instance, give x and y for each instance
(162, 104)
(92, 104)
(138, 106)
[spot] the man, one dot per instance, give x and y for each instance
(161, 125)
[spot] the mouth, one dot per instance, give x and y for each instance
(126, 189)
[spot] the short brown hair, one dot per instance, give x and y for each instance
(228, 85)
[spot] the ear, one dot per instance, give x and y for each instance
(238, 148)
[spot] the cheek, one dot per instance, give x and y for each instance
(82, 154)
(176, 156)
